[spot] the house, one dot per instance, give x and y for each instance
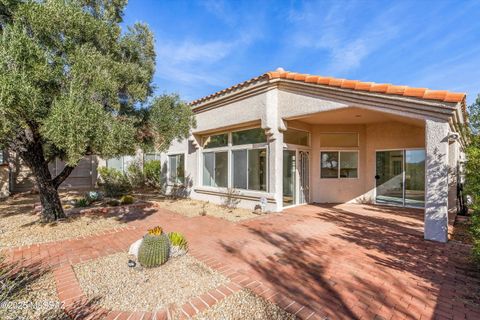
(287, 139)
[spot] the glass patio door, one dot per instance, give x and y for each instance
(400, 177)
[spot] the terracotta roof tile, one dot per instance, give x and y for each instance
(421, 93)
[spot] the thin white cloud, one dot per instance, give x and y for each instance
(322, 28)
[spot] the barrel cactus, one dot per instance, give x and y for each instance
(154, 250)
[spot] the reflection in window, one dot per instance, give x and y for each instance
(176, 168)
(215, 169)
(216, 141)
(250, 136)
(292, 136)
(329, 165)
(339, 164)
(250, 169)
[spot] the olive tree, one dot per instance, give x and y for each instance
(73, 83)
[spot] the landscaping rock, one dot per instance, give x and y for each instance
(134, 247)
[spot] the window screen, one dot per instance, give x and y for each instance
(338, 140)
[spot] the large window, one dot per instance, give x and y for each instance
(339, 164)
(250, 136)
(248, 163)
(250, 169)
(298, 137)
(176, 168)
(215, 169)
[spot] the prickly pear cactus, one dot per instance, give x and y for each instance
(154, 250)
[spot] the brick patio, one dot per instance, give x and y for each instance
(335, 261)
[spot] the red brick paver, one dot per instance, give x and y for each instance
(340, 262)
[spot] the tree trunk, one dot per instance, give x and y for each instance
(34, 158)
(51, 206)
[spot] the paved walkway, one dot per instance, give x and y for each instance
(340, 262)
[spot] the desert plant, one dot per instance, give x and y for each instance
(155, 231)
(113, 202)
(230, 198)
(127, 199)
(93, 196)
(152, 170)
(114, 182)
(135, 175)
(81, 203)
(203, 212)
(154, 250)
(177, 239)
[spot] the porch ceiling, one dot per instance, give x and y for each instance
(354, 115)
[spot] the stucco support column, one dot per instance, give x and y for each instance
(273, 125)
(436, 180)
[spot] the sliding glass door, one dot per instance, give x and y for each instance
(400, 177)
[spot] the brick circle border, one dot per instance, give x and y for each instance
(77, 305)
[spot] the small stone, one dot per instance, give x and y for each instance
(134, 247)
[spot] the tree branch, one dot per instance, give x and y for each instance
(62, 176)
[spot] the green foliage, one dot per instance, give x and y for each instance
(114, 182)
(93, 196)
(127, 199)
(81, 203)
(152, 170)
(73, 83)
(154, 250)
(113, 203)
(178, 239)
(135, 175)
(472, 181)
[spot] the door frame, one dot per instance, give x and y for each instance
(297, 149)
(404, 150)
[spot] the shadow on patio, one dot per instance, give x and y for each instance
(359, 261)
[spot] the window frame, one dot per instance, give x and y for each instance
(339, 152)
(169, 176)
(309, 145)
(248, 167)
(229, 149)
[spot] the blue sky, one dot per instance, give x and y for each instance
(205, 46)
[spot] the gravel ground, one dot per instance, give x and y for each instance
(194, 208)
(122, 288)
(245, 305)
(20, 225)
(38, 301)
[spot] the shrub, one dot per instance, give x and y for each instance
(152, 171)
(81, 203)
(93, 196)
(127, 199)
(114, 182)
(475, 231)
(135, 175)
(177, 239)
(113, 203)
(230, 198)
(154, 250)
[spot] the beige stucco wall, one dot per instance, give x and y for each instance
(4, 181)
(372, 137)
